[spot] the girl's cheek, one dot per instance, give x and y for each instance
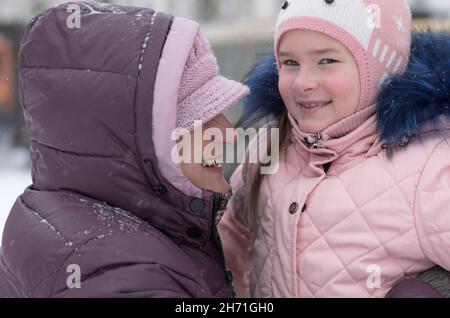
(284, 84)
(337, 87)
(339, 83)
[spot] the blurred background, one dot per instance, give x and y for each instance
(240, 31)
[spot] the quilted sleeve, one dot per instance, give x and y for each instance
(236, 241)
(432, 206)
(413, 288)
(128, 281)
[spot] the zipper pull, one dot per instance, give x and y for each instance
(314, 141)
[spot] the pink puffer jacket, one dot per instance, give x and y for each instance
(353, 231)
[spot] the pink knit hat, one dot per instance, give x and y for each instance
(203, 94)
(377, 33)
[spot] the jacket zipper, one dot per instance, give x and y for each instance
(218, 243)
(316, 142)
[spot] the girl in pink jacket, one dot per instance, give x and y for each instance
(361, 198)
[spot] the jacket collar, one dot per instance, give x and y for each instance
(351, 139)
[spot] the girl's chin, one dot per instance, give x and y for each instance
(217, 185)
(311, 129)
(309, 125)
(213, 170)
(220, 188)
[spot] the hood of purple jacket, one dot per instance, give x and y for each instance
(88, 96)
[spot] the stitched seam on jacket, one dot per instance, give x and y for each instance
(376, 196)
(415, 202)
(371, 251)
(269, 258)
(6, 269)
(343, 265)
(77, 249)
(272, 247)
(375, 234)
(140, 162)
(398, 183)
(337, 256)
(152, 232)
(396, 279)
(164, 269)
(42, 220)
(75, 153)
(274, 189)
(99, 9)
(394, 186)
(271, 243)
(50, 226)
(65, 239)
(35, 163)
(362, 206)
(53, 68)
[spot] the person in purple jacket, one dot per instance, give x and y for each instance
(110, 213)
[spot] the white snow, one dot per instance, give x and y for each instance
(15, 176)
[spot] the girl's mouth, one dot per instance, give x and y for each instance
(314, 105)
(211, 164)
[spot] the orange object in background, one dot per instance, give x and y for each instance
(6, 75)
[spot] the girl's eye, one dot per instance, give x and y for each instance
(327, 61)
(290, 63)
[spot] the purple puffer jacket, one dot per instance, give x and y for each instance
(99, 205)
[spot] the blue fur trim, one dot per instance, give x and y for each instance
(265, 101)
(421, 94)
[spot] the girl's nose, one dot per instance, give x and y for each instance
(305, 81)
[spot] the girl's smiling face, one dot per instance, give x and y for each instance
(204, 177)
(318, 79)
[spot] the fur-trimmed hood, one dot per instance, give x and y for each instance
(407, 103)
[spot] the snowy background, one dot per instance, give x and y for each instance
(15, 176)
